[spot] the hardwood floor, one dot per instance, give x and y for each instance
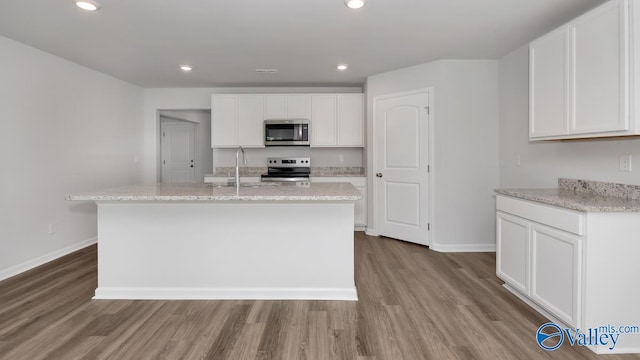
(414, 304)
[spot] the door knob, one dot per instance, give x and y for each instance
(378, 174)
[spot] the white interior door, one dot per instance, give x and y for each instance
(401, 151)
(178, 151)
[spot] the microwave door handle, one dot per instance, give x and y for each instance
(300, 132)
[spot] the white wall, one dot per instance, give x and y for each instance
(199, 98)
(542, 163)
(65, 129)
(465, 165)
(202, 120)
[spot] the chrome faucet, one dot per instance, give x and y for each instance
(244, 161)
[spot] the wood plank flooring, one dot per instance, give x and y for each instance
(414, 304)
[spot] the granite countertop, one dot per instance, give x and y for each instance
(583, 195)
(208, 192)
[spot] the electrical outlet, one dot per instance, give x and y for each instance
(625, 163)
(53, 228)
(341, 158)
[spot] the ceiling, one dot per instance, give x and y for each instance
(145, 41)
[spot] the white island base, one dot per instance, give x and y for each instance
(226, 250)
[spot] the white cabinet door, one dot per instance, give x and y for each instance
(512, 255)
(556, 268)
(298, 106)
(250, 120)
(549, 85)
(282, 106)
(275, 107)
(323, 120)
(224, 121)
(599, 58)
(350, 119)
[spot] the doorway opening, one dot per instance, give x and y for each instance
(184, 151)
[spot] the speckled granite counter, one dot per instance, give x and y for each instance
(583, 195)
(207, 192)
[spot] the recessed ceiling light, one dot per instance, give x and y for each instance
(88, 5)
(342, 67)
(185, 67)
(354, 4)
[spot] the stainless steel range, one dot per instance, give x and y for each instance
(288, 169)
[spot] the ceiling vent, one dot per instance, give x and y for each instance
(266, 71)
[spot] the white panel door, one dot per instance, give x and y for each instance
(600, 69)
(178, 150)
(512, 255)
(323, 120)
(251, 120)
(224, 121)
(555, 272)
(401, 167)
(350, 122)
(549, 85)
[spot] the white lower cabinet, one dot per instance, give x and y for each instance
(360, 183)
(539, 261)
(556, 271)
(577, 268)
(512, 259)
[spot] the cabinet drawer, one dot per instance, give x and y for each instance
(562, 219)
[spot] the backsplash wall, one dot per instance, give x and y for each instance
(319, 156)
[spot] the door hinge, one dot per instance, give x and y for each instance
(163, 133)
(428, 168)
(427, 108)
(164, 162)
(428, 227)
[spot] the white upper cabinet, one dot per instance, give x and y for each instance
(549, 84)
(337, 120)
(599, 48)
(224, 120)
(251, 120)
(579, 76)
(323, 120)
(236, 120)
(350, 120)
(287, 106)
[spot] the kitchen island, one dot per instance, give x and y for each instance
(204, 241)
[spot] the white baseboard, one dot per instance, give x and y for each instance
(371, 232)
(112, 293)
(360, 228)
(33, 263)
(463, 247)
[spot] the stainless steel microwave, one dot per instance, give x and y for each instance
(286, 132)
